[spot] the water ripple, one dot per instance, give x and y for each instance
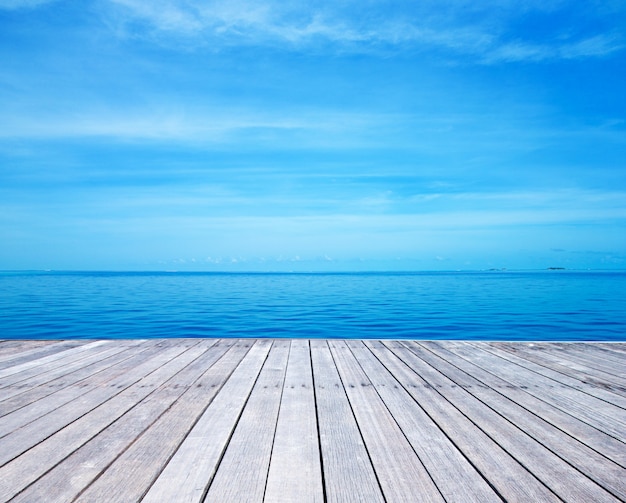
(511, 306)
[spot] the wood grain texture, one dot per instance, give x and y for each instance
(482, 366)
(508, 477)
(14, 352)
(401, 473)
(456, 479)
(190, 471)
(547, 385)
(295, 472)
(348, 472)
(241, 475)
(590, 463)
(282, 420)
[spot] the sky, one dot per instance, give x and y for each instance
(343, 135)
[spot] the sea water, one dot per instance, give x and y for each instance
(548, 305)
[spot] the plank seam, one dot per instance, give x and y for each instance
(100, 431)
(525, 407)
(136, 439)
(545, 446)
(207, 486)
(369, 456)
(90, 376)
(317, 425)
(475, 424)
(85, 391)
(280, 406)
(199, 415)
(581, 389)
(437, 424)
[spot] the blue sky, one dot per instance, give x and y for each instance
(327, 135)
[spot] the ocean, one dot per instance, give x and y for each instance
(494, 305)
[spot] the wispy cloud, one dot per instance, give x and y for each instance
(203, 126)
(458, 30)
(598, 45)
(465, 29)
(255, 128)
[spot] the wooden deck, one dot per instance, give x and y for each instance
(178, 420)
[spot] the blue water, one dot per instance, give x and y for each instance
(554, 305)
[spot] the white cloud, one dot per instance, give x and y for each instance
(463, 28)
(599, 45)
(213, 125)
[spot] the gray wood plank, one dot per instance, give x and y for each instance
(191, 469)
(590, 358)
(609, 386)
(596, 412)
(125, 375)
(24, 351)
(179, 419)
(42, 374)
(74, 473)
(242, 472)
(505, 474)
(399, 470)
(482, 366)
(23, 470)
(588, 462)
(588, 350)
(348, 472)
(614, 347)
(295, 472)
(130, 476)
(19, 348)
(12, 421)
(456, 479)
(14, 373)
(18, 396)
(564, 480)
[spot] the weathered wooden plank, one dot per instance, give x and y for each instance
(505, 474)
(588, 462)
(10, 346)
(587, 351)
(14, 420)
(596, 412)
(130, 476)
(383, 437)
(130, 372)
(613, 347)
(348, 472)
(45, 363)
(128, 419)
(18, 396)
(454, 476)
(23, 470)
(191, 469)
(12, 350)
(564, 480)
(482, 366)
(77, 471)
(570, 359)
(242, 472)
(39, 375)
(589, 356)
(295, 472)
(612, 387)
